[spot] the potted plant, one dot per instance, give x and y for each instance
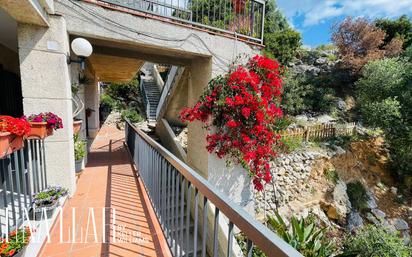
(12, 133)
(15, 245)
(47, 199)
(77, 125)
(44, 124)
(79, 153)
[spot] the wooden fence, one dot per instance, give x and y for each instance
(320, 132)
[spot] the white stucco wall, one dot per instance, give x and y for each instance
(46, 87)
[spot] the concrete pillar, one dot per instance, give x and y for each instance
(200, 74)
(91, 94)
(46, 86)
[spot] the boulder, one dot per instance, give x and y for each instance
(400, 224)
(354, 220)
(341, 201)
(380, 215)
(371, 203)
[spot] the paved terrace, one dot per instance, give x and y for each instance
(109, 180)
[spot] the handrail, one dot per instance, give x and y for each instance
(242, 19)
(145, 98)
(171, 79)
(260, 235)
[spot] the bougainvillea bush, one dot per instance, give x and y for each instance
(242, 107)
(53, 121)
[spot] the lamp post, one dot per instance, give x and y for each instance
(83, 49)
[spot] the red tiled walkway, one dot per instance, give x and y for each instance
(107, 181)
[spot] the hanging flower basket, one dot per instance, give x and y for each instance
(38, 130)
(77, 125)
(12, 133)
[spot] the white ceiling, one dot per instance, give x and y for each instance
(8, 31)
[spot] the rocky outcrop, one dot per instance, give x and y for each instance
(314, 181)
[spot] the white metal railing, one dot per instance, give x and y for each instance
(241, 18)
(173, 186)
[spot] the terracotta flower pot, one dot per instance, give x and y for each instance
(5, 144)
(77, 125)
(38, 130)
(50, 131)
(16, 143)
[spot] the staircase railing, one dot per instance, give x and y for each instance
(170, 82)
(145, 98)
(170, 183)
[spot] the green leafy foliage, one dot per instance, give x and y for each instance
(282, 45)
(332, 176)
(358, 195)
(401, 27)
(132, 115)
(123, 93)
(389, 107)
(79, 148)
(242, 241)
(290, 144)
(302, 93)
(281, 41)
(374, 241)
(303, 236)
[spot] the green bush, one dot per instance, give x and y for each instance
(375, 242)
(384, 94)
(132, 115)
(290, 144)
(358, 196)
(302, 93)
(79, 148)
(303, 236)
(282, 45)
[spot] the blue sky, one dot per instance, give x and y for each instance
(314, 18)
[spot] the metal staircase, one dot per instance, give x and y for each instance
(151, 96)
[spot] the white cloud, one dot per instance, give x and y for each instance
(317, 11)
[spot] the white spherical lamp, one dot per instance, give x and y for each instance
(82, 47)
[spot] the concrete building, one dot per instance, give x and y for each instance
(35, 38)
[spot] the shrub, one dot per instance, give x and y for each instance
(358, 196)
(303, 236)
(332, 176)
(290, 144)
(302, 93)
(389, 108)
(398, 28)
(132, 115)
(360, 41)
(282, 45)
(373, 241)
(79, 148)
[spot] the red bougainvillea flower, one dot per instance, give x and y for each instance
(242, 106)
